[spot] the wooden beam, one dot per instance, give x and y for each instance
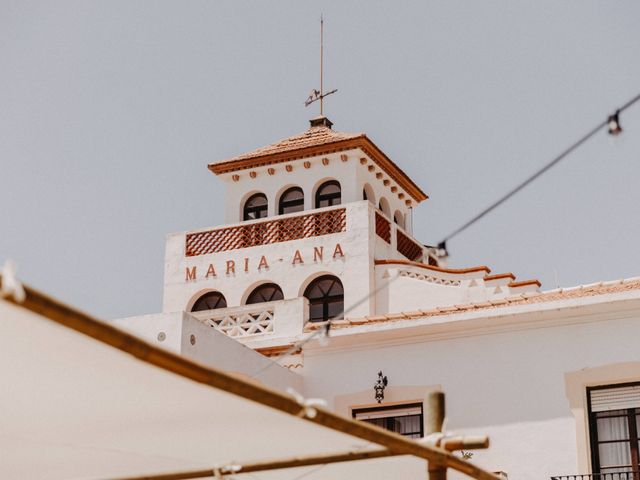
(433, 424)
(294, 462)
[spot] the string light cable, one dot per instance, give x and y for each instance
(612, 123)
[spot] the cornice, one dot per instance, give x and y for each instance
(362, 142)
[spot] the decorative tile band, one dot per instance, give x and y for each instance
(264, 233)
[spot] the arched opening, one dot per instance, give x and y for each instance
(367, 193)
(255, 207)
(383, 205)
(209, 301)
(326, 298)
(291, 201)
(398, 218)
(329, 194)
(267, 292)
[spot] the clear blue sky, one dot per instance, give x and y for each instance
(110, 111)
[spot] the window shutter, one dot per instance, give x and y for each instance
(616, 398)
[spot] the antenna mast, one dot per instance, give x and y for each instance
(319, 94)
(321, 64)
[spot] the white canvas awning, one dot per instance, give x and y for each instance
(73, 406)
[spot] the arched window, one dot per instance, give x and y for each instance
(328, 194)
(367, 193)
(291, 201)
(383, 205)
(209, 301)
(268, 292)
(326, 298)
(398, 218)
(255, 207)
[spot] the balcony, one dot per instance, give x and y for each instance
(404, 243)
(260, 321)
(628, 475)
(308, 224)
(267, 232)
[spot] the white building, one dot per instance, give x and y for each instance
(318, 227)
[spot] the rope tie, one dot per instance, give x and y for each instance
(11, 286)
(308, 405)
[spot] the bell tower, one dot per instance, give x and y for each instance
(322, 205)
(317, 228)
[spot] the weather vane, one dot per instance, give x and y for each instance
(319, 94)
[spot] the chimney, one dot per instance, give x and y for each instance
(321, 121)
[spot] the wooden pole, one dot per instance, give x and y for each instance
(83, 323)
(433, 424)
(305, 461)
(451, 444)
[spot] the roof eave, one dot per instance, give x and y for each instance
(361, 141)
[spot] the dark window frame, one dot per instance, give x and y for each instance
(295, 203)
(389, 419)
(264, 286)
(634, 436)
(205, 298)
(328, 197)
(257, 210)
(326, 300)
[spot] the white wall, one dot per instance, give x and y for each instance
(510, 386)
(355, 268)
(273, 185)
(273, 180)
(210, 347)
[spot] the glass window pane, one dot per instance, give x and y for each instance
(316, 312)
(409, 425)
(209, 301)
(613, 428)
(268, 292)
(335, 309)
(616, 454)
(326, 299)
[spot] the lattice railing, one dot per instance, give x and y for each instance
(383, 228)
(239, 324)
(430, 278)
(267, 232)
(408, 247)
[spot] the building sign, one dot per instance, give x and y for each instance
(247, 265)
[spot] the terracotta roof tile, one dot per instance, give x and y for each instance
(313, 137)
(319, 140)
(593, 290)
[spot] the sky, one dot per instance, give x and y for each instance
(110, 112)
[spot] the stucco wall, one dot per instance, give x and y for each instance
(354, 266)
(510, 386)
(352, 173)
(174, 332)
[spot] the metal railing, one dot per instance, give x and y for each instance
(628, 475)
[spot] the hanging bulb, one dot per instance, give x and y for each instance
(614, 124)
(442, 249)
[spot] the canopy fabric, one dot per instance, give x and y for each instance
(76, 407)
